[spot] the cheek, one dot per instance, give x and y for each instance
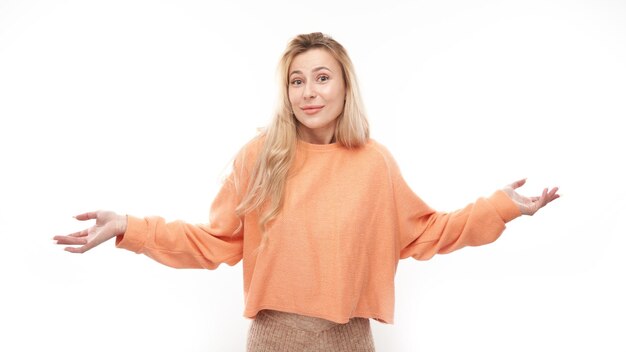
(336, 92)
(337, 95)
(293, 98)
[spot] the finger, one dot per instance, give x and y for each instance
(73, 235)
(518, 183)
(70, 240)
(544, 197)
(556, 196)
(82, 233)
(76, 249)
(548, 196)
(543, 200)
(87, 216)
(537, 203)
(82, 249)
(552, 194)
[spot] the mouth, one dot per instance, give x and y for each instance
(311, 109)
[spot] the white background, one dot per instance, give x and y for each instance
(139, 107)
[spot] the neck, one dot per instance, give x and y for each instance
(315, 136)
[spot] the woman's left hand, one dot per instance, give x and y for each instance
(530, 205)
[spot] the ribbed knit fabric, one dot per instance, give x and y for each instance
(348, 218)
(275, 331)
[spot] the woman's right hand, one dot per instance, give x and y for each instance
(108, 225)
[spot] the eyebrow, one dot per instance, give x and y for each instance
(319, 68)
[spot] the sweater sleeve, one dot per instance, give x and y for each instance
(183, 245)
(425, 232)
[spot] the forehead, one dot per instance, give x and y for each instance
(312, 58)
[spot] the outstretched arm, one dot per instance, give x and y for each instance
(428, 232)
(176, 243)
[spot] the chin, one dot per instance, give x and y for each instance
(314, 122)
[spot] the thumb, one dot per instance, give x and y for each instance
(518, 183)
(87, 216)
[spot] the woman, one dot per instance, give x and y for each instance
(318, 212)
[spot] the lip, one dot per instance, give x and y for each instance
(311, 109)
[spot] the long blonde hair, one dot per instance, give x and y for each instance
(268, 178)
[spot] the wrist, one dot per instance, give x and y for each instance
(122, 224)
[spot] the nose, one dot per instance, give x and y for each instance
(309, 91)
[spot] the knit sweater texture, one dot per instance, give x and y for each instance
(348, 218)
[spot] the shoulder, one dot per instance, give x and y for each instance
(247, 155)
(379, 152)
(378, 147)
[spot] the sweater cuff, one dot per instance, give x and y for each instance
(504, 205)
(135, 236)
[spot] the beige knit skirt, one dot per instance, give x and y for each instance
(274, 331)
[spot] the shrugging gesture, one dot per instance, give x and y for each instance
(333, 204)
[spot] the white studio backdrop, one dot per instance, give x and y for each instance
(139, 107)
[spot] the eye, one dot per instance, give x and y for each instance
(323, 78)
(296, 82)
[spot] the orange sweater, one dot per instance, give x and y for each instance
(347, 219)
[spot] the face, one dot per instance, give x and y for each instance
(317, 94)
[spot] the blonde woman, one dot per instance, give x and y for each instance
(319, 213)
